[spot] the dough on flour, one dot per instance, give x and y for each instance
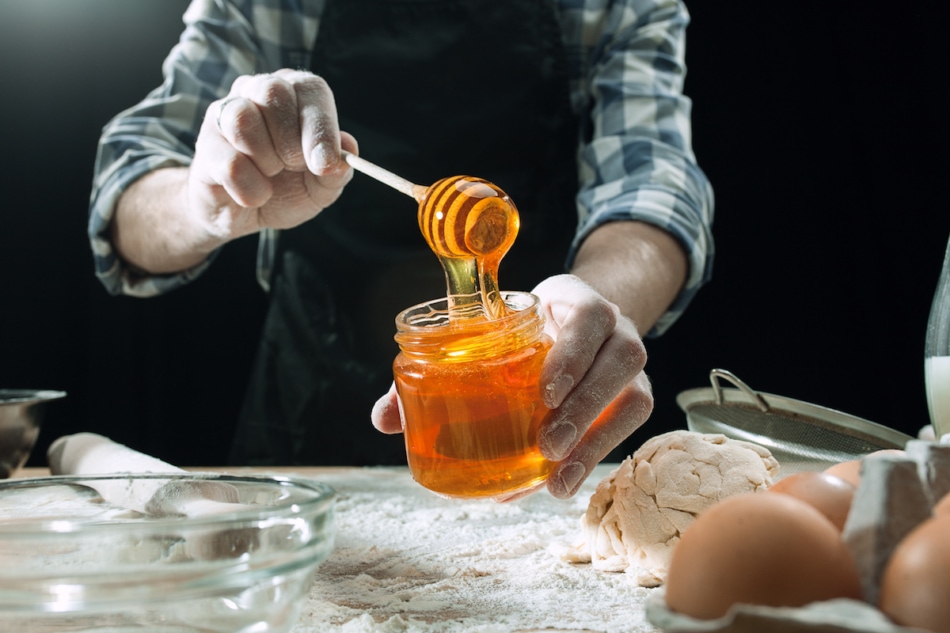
(638, 512)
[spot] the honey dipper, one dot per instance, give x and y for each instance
(468, 222)
(460, 216)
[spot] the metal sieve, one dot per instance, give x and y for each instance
(801, 436)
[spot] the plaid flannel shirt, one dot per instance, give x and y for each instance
(626, 65)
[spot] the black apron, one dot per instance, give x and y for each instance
(430, 89)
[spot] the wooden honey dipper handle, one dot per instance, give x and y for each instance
(402, 185)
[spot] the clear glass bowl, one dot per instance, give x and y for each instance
(199, 561)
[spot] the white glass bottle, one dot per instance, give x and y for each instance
(937, 353)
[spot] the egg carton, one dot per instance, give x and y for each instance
(831, 616)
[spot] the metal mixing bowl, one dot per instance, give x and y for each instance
(20, 413)
(71, 560)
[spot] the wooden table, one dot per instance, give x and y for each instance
(408, 560)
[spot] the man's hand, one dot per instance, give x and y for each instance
(592, 379)
(268, 154)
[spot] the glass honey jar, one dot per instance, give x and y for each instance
(470, 397)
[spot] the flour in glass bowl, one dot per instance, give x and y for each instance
(407, 560)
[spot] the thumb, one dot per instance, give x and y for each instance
(387, 414)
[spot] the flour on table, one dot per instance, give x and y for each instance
(407, 560)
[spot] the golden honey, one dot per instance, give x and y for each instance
(470, 397)
(469, 364)
(469, 223)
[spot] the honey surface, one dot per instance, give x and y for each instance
(475, 424)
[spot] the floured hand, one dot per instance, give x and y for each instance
(268, 154)
(593, 379)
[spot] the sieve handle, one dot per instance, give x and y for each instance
(716, 374)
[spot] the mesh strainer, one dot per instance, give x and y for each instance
(801, 436)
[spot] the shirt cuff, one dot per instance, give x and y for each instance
(653, 206)
(117, 277)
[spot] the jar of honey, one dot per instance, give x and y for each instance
(470, 396)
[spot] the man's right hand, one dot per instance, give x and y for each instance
(268, 155)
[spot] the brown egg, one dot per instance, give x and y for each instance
(830, 494)
(915, 585)
(758, 548)
(850, 471)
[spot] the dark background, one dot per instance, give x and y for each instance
(821, 125)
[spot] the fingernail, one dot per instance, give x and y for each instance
(321, 157)
(556, 391)
(558, 439)
(570, 475)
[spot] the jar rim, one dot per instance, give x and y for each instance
(434, 314)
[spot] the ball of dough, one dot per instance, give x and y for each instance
(637, 513)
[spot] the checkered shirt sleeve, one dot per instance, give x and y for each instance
(636, 159)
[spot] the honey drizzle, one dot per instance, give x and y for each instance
(470, 224)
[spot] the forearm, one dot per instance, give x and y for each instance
(153, 230)
(638, 266)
